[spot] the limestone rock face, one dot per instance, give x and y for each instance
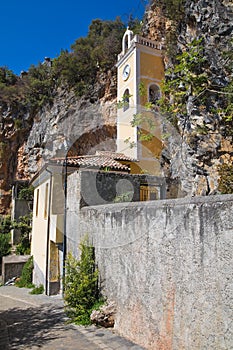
(15, 126)
(70, 125)
(201, 140)
(190, 157)
(105, 315)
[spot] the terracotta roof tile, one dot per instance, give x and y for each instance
(115, 155)
(92, 161)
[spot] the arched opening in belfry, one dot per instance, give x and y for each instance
(154, 94)
(126, 97)
(126, 40)
(126, 43)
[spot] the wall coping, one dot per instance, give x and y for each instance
(162, 203)
(14, 259)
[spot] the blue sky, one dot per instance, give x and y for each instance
(31, 30)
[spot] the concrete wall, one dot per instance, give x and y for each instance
(12, 266)
(20, 207)
(167, 264)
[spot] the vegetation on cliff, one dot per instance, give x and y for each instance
(198, 85)
(78, 69)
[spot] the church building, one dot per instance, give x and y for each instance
(140, 71)
(64, 185)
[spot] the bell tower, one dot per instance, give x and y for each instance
(140, 71)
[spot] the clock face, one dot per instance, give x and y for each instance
(126, 72)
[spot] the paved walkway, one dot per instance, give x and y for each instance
(38, 322)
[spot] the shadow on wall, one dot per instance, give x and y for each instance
(98, 138)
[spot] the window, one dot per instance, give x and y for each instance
(126, 100)
(148, 193)
(154, 94)
(37, 202)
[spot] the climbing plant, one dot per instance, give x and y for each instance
(186, 78)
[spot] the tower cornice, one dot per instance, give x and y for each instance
(139, 41)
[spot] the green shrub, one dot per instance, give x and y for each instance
(81, 284)
(26, 193)
(5, 246)
(37, 290)
(225, 184)
(23, 224)
(24, 247)
(5, 236)
(26, 276)
(5, 224)
(18, 124)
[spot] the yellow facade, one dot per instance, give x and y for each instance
(151, 65)
(39, 232)
(129, 83)
(140, 72)
(47, 230)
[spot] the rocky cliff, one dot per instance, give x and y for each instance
(194, 147)
(200, 140)
(70, 124)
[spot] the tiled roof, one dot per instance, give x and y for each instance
(116, 156)
(92, 161)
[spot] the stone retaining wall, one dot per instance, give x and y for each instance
(168, 266)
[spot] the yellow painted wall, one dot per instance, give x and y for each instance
(151, 66)
(54, 273)
(39, 230)
(127, 84)
(149, 71)
(40, 236)
(147, 166)
(126, 131)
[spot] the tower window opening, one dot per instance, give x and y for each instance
(126, 97)
(154, 94)
(126, 44)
